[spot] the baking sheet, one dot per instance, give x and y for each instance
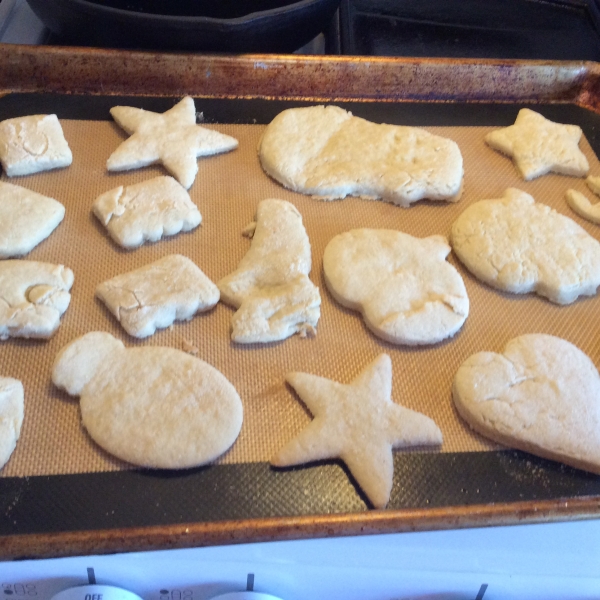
(60, 481)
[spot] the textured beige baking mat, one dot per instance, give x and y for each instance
(227, 190)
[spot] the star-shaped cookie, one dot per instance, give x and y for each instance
(171, 138)
(539, 146)
(358, 423)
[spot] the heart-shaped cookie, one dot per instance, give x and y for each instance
(542, 395)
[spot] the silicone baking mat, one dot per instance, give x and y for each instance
(227, 190)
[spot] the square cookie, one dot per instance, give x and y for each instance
(32, 144)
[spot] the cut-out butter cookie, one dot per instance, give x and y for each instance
(26, 219)
(405, 289)
(32, 144)
(358, 423)
(33, 296)
(541, 395)
(12, 408)
(270, 288)
(154, 296)
(518, 245)
(539, 146)
(172, 139)
(325, 151)
(593, 182)
(146, 211)
(150, 406)
(581, 204)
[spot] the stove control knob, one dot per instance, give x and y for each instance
(95, 592)
(245, 596)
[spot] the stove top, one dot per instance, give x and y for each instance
(519, 29)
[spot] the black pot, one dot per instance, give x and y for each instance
(192, 25)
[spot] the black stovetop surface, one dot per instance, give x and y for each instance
(519, 29)
(533, 29)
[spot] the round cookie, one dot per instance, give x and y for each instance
(151, 406)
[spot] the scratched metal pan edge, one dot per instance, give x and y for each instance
(73, 70)
(270, 26)
(194, 535)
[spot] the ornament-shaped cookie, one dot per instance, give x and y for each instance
(151, 406)
(405, 289)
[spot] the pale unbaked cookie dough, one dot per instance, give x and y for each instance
(32, 144)
(26, 219)
(541, 395)
(12, 407)
(581, 204)
(270, 288)
(146, 211)
(358, 423)
(171, 138)
(154, 296)
(539, 146)
(151, 406)
(33, 296)
(593, 182)
(325, 151)
(520, 246)
(405, 289)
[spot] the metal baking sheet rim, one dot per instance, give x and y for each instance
(192, 535)
(119, 72)
(107, 72)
